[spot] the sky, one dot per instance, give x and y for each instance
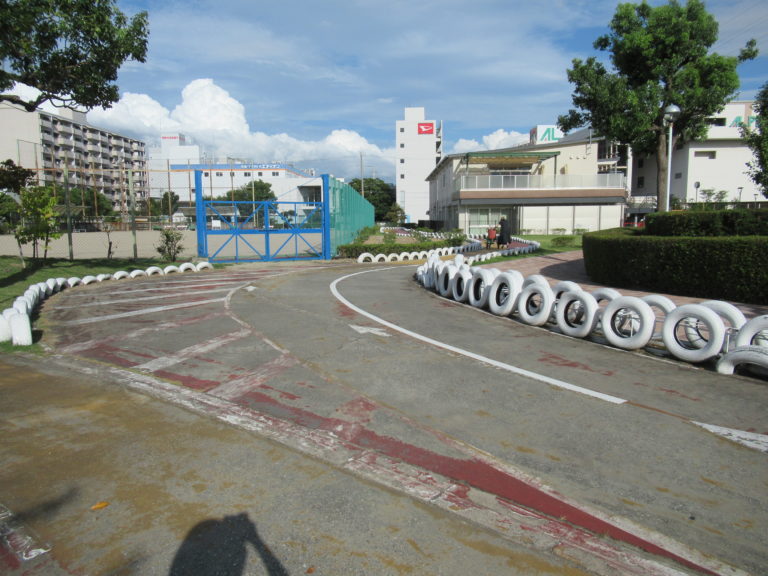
(320, 84)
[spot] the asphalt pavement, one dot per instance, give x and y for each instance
(328, 418)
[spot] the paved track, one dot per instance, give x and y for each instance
(548, 442)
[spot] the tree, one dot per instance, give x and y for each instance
(39, 219)
(169, 203)
(757, 140)
(13, 177)
(379, 193)
(88, 203)
(254, 191)
(396, 215)
(69, 50)
(660, 56)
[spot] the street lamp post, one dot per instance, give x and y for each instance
(741, 189)
(671, 113)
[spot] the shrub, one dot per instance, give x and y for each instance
(170, 244)
(708, 223)
(727, 267)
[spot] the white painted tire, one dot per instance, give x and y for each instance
(444, 280)
(460, 285)
(153, 270)
(403, 256)
(8, 312)
(187, 267)
(204, 266)
(74, 281)
(565, 286)
(576, 313)
(664, 306)
(642, 322)
(61, 283)
(534, 306)
(607, 294)
(365, 257)
(380, 258)
(754, 332)
(21, 306)
(535, 279)
(21, 330)
(753, 355)
(5, 329)
(728, 312)
(52, 285)
(170, 269)
(137, 273)
(103, 277)
(678, 321)
(504, 293)
(119, 275)
(479, 287)
(88, 279)
(414, 256)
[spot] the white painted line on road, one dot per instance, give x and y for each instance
(467, 353)
(176, 294)
(749, 439)
(191, 351)
(369, 330)
(154, 310)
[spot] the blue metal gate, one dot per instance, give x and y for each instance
(242, 231)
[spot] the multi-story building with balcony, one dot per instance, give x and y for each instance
(63, 148)
(577, 182)
(718, 163)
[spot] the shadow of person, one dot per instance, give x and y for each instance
(219, 548)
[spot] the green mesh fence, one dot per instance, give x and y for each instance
(348, 213)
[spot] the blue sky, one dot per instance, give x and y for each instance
(318, 83)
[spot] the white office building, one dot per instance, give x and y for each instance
(64, 147)
(419, 148)
(717, 163)
(174, 162)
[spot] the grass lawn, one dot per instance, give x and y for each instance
(14, 279)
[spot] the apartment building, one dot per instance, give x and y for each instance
(64, 147)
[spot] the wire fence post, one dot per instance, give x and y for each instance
(68, 212)
(132, 196)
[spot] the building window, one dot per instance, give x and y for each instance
(678, 175)
(402, 160)
(402, 144)
(261, 174)
(275, 173)
(246, 174)
(640, 162)
(206, 174)
(402, 176)
(709, 154)
(402, 129)
(641, 181)
(716, 121)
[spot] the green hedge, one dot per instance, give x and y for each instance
(708, 223)
(354, 250)
(726, 268)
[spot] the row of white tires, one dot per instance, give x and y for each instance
(16, 324)
(693, 333)
(530, 247)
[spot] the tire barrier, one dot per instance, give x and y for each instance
(708, 331)
(473, 246)
(752, 355)
(170, 269)
(16, 321)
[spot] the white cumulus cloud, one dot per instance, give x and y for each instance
(498, 139)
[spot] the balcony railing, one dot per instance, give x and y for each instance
(531, 181)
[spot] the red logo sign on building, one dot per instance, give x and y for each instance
(426, 128)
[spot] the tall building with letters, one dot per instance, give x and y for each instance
(419, 148)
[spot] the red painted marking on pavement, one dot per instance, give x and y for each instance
(470, 472)
(113, 355)
(359, 408)
(187, 380)
(281, 393)
(344, 311)
(555, 360)
(679, 394)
